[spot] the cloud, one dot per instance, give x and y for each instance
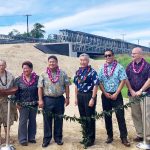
(107, 18)
(20, 27)
(101, 14)
(139, 34)
(133, 36)
(142, 35)
(18, 7)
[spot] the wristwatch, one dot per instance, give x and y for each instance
(93, 98)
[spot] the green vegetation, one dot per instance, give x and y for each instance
(124, 60)
(147, 57)
(124, 92)
(36, 32)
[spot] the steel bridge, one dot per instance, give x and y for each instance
(93, 44)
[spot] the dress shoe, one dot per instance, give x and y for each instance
(32, 141)
(45, 144)
(81, 142)
(24, 144)
(109, 140)
(90, 143)
(138, 139)
(59, 142)
(125, 142)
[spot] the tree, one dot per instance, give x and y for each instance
(37, 31)
(52, 38)
(25, 34)
(14, 32)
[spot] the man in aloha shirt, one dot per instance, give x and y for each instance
(112, 78)
(86, 85)
(138, 72)
(53, 83)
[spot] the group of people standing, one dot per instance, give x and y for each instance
(47, 92)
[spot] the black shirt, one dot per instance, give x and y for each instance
(26, 95)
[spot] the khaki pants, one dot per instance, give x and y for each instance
(137, 116)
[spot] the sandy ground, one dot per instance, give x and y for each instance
(15, 55)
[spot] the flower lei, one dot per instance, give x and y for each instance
(32, 80)
(49, 72)
(140, 69)
(83, 73)
(4, 84)
(112, 69)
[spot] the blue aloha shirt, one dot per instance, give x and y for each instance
(91, 80)
(111, 83)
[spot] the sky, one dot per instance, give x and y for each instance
(117, 19)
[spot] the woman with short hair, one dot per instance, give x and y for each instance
(27, 102)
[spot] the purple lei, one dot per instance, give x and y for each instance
(32, 81)
(140, 69)
(114, 64)
(83, 72)
(49, 72)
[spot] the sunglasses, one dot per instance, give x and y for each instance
(109, 55)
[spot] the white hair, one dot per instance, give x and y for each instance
(85, 55)
(3, 61)
(140, 50)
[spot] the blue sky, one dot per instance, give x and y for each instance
(108, 18)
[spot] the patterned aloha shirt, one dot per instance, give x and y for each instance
(111, 83)
(26, 95)
(89, 83)
(53, 89)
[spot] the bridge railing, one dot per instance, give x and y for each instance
(6, 39)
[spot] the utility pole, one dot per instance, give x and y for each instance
(27, 15)
(138, 41)
(123, 35)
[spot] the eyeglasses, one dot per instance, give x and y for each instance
(109, 55)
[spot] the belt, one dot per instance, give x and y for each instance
(54, 97)
(79, 92)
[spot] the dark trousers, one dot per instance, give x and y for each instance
(108, 104)
(86, 111)
(54, 105)
(27, 124)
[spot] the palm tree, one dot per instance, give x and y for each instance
(37, 31)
